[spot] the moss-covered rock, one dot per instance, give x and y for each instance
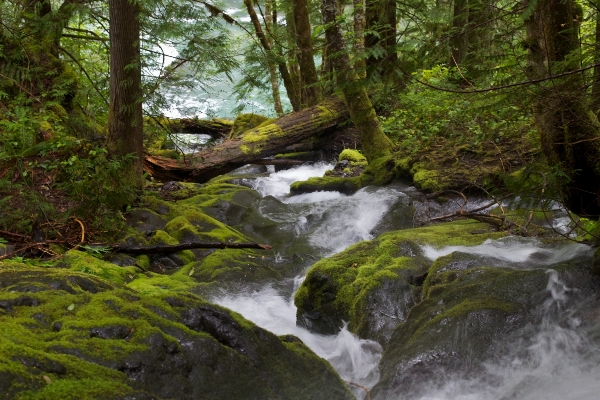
(353, 156)
(379, 172)
(470, 312)
(74, 335)
(199, 213)
(372, 285)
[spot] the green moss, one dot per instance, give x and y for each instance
(326, 183)
(83, 262)
(354, 156)
(245, 122)
(340, 287)
(426, 179)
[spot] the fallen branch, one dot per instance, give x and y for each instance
(166, 248)
(360, 386)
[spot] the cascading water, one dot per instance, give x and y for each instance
(557, 358)
(553, 360)
(329, 222)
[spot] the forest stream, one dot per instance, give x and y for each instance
(543, 346)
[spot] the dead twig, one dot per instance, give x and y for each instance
(362, 387)
(158, 249)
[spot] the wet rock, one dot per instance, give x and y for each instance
(43, 364)
(373, 285)
(470, 313)
(144, 220)
(27, 301)
(177, 346)
(122, 260)
(111, 332)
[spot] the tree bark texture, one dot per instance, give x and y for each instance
(125, 113)
(459, 35)
(374, 142)
(360, 64)
(252, 145)
(596, 84)
(308, 72)
(291, 89)
(567, 135)
(273, 67)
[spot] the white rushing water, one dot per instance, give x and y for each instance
(559, 362)
(528, 251)
(556, 360)
(330, 221)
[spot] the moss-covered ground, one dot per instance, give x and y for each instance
(88, 329)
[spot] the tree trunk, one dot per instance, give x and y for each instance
(381, 20)
(272, 66)
(568, 138)
(125, 114)
(291, 89)
(596, 85)
(459, 35)
(308, 72)
(252, 145)
(360, 64)
(374, 142)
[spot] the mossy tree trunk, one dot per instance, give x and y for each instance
(35, 30)
(311, 93)
(375, 143)
(290, 87)
(567, 135)
(125, 136)
(252, 145)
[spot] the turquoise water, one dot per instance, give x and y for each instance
(217, 98)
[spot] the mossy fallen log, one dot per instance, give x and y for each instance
(215, 127)
(253, 145)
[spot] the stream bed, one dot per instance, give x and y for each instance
(548, 350)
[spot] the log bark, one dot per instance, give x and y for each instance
(252, 145)
(215, 127)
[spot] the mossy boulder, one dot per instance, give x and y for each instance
(245, 122)
(353, 156)
(379, 172)
(199, 214)
(373, 284)
(75, 335)
(473, 311)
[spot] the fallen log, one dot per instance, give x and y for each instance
(166, 248)
(253, 145)
(215, 127)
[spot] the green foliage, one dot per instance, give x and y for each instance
(423, 114)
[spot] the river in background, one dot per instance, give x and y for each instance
(217, 98)
(556, 359)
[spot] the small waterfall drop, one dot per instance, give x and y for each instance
(551, 360)
(329, 222)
